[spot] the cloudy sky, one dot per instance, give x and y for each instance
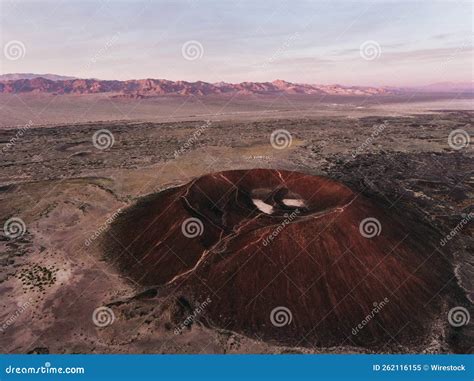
(347, 42)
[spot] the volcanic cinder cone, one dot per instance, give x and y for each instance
(285, 256)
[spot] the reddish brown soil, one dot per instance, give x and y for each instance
(318, 265)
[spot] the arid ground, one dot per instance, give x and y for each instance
(63, 288)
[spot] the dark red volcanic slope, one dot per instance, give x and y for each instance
(283, 256)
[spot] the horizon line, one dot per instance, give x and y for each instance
(72, 77)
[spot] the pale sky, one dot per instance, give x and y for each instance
(408, 43)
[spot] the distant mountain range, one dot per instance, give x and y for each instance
(15, 76)
(144, 88)
(452, 87)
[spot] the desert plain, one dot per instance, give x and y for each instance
(70, 192)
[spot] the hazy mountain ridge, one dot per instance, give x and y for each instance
(141, 88)
(16, 76)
